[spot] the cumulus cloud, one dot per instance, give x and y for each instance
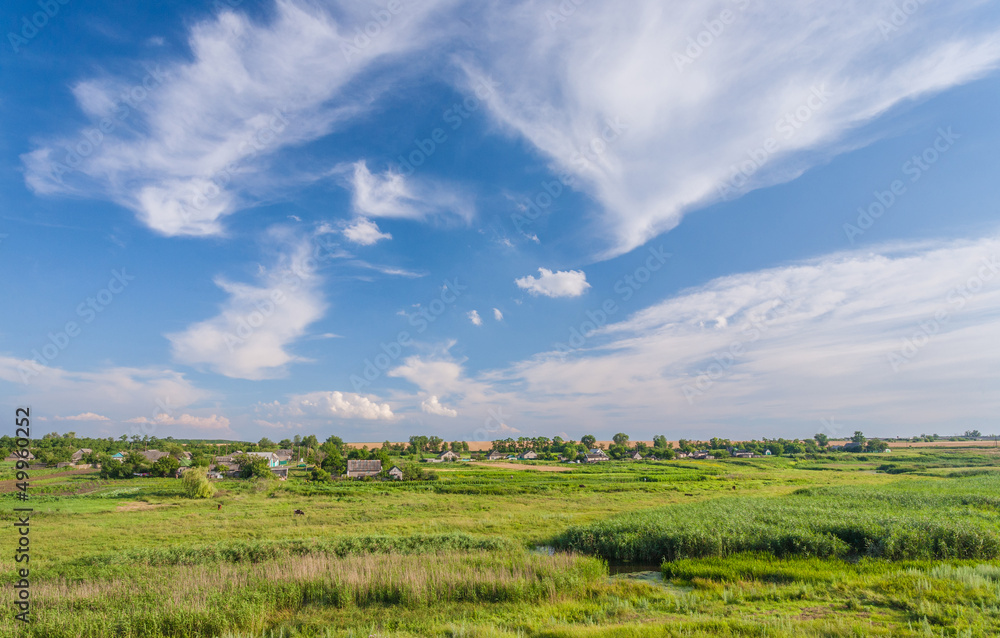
(325, 405)
(249, 337)
(84, 416)
(645, 121)
(365, 232)
(207, 126)
(433, 406)
(562, 283)
(392, 195)
(475, 318)
(497, 314)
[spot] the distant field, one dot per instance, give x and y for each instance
(900, 544)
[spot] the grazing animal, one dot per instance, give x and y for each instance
(299, 513)
(220, 506)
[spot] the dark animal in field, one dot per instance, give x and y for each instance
(299, 513)
(689, 495)
(220, 506)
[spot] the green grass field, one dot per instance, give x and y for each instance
(900, 544)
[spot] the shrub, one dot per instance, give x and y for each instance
(197, 485)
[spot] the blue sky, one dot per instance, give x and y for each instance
(484, 220)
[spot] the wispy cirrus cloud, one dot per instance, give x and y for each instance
(250, 337)
(205, 130)
(637, 102)
(885, 340)
(392, 195)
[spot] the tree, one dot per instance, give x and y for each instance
(165, 466)
(660, 442)
(822, 440)
(875, 445)
(265, 443)
(621, 439)
(285, 444)
(973, 434)
(858, 437)
(334, 462)
(589, 441)
(251, 466)
(319, 474)
(196, 485)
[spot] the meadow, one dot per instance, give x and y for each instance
(900, 544)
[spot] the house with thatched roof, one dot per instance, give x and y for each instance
(448, 455)
(494, 456)
(528, 456)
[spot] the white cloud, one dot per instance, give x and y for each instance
(497, 314)
(392, 195)
(249, 337)
(325, 405)
(475, 318)
(568, 283)
(207, 126)
(213, 422)
(892, 342)
(84, 416)
(115, 391)
(600, 92)
(433, 406)
(365, 232)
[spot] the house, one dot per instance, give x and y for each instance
(396, 474)
(767, 452)
(742, 454)
(280, 472)
(270, 457)
(597, 455)
(528, 456)
(20, 455)
(228, 461)
(494, 456)
(448, 455)
(703, 455)
(118, 456)
(154, 455)
(358, 469)
(213, 474)
(636, 457)
(682, 455)
(285, 456)
(79, 454)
